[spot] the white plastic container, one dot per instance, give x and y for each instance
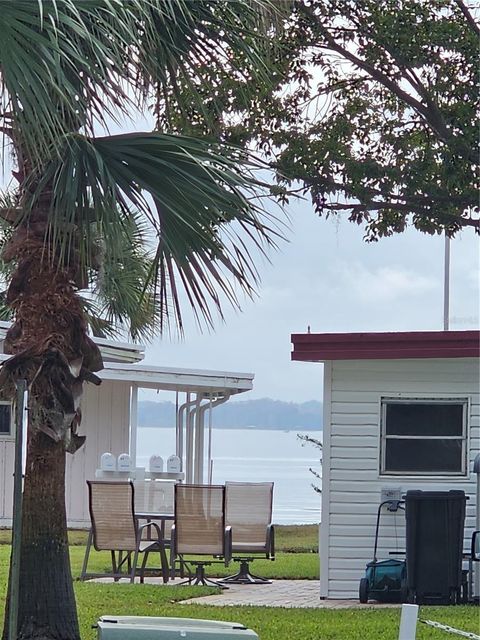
(150, 628)
(174, 464)
(124, 463)
(155, 464)
(108, 462)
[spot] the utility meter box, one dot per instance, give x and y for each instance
(149, 628)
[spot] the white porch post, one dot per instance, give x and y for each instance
(132, 446)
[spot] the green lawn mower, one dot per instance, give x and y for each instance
(385, 580)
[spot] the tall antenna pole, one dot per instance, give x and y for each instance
(446, 284)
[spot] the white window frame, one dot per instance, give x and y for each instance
(11, 434)
(384, 401)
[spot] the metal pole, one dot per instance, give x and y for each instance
(446, 285)
(21, 386)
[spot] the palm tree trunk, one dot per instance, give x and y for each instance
(47, 609)
(52, 351)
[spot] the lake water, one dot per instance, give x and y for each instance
(255, 455)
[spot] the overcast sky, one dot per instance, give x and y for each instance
(327, 277)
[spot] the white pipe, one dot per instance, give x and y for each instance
(180, 420)
(190, 440)
(195, 437)
(198, 420)
(408, 622)
(200, 442)
(132, 445)
(209, 458)
(199, 430)
(178, 431)
(188, 435)
(446, 285)
(211, 405)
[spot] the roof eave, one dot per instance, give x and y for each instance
(322, 347)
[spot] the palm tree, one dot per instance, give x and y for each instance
(85, 207)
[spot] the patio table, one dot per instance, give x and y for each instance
(155, 515)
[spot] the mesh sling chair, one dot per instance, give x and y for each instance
(200, 530)
(248, 510)
(115, 528)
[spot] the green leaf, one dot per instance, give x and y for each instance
(65, 64)
(198, 199)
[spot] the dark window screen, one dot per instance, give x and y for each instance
(424, 455)
(423, 419)
(5, 421)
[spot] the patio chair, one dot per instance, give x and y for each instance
(200, 530)
(248, 510)
(115, 528)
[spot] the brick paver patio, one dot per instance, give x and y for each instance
(280, 593)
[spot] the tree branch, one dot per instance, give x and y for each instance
(418, 199)
(430, 112)
(470, 19)
(401, 207)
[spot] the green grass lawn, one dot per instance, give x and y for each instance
(270, 623)
(286, 565)
(296, 559)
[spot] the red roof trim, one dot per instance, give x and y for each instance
(319, 347)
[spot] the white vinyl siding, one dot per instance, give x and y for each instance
(106, 406)
(106, 423)
(351, 457)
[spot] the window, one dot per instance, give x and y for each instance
(5, 419)
(424, 436)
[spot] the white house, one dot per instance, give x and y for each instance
(401, 411)
(109, 420)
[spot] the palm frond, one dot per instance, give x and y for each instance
(121, 286)
(197, 191)
(64, 64)
(100, 326)
(6, 313)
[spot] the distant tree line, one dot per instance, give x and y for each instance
(262, 414)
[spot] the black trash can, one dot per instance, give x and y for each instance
(435, 523)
